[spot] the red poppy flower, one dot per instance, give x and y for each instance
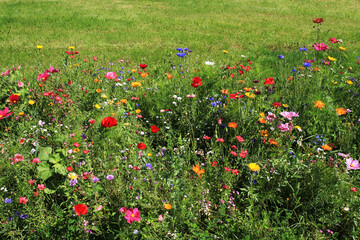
(81, 209)
(154, 129)
(141, 146)
(269, 81)
(69, 169)
(143, 66)
(109, 122)
(14, 98)
(196, 82)
(206, 137)
(92, 121)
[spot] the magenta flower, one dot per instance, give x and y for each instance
(132, 215)
(270, 117)
(5, 113)
(352, 164)
(289, 115)
(320, 47)
(110, 75)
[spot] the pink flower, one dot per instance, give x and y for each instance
(334, 40)
(41, 186)
(110, 75)
(23, 200)
(352, 164)
(5, 113)
(160, 218)
(289, 115)
(132, 215)
(123, 209)
(20, 84)
(220, 140)
(270, 117)
(18, 158)
(239, 138)
(95, 58)
(99, 208)
(36, 160)
(286, 127)
(43, 76)
(31, 182)
(320, 47)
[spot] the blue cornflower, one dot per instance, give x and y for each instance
(8, 200)
(83, 136)
(281, 56)
(23, 216)
(190, 51)
(307, 64)
(179, 49)
(303, 49)
(213, 104)
(181, 54)
(211, 98)
(148, 165)
(186, 49)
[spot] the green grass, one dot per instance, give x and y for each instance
(138, 29)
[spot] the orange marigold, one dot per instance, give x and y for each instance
(197, 170)
(341, 111)
(326, 147)
(262, 120)
(272, 141)
(319, 104)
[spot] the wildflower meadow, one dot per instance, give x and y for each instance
(185, 146)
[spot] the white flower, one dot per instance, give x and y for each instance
(209, 63)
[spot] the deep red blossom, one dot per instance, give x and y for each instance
(154, 129)
(269, 81)
(143, 66)
(14, 98)
(141, 146)
(109, 122)
(81, 209)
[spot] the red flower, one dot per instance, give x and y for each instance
(109, 122)
(224, 186)
(81, 209)
(213, 163)
(353, 189)
(269, 81)
(69, 169)
(227, 169)
(206, 137)
(235, 171)
(85, 151)
(14, 98)
(318, 20)
(239, 138)
(141, 146)
(220, 140)
(143, 66)
(196, 82)
(276, 104)
(76, 144)
(154, 129)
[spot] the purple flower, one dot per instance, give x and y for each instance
(109, 177)
(8, 200)
(73, 182)
(95, 179)
(148, 165)
(23, 216)
(352, 164)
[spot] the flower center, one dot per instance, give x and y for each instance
(1, 116)
(351, 165)
(132, 215)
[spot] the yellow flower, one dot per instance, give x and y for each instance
(250, 95)
(241, 81)
(167, 206)
(285, 105)
(224, 51)
(71, 47)
(97, 106)
(103, 96)
(137, 111)
(342, 48)
(262, 114)
(72, 176)
(31, 102)
(39, 47)
(113, 114)
(110, 102)
(133, 70)
(126, 124)
(21, 113)
(349, 82)
(149, 154)
(247, 89)
(334, 82)
(254, 167)
(76, 150)
(331, 58)
(98, 90)
(135, 84)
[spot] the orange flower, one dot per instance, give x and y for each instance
(169, 76)
(98, 90)
(167, 206)
(319, 104)
(264, 133)
(326, 147)
(341, 111)
(233, 125)
(198, 171)
(123, 101)
(290, 78)
(262, 120)
(316, 69)
(144, 75)
(247, 89)
(224, 91)
(273, 142)
(96, 80)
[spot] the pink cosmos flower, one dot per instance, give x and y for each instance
(352, 164)
(123, 209)
(289, 115)
(5, 113)
(20, 84)
(132, 215)
(43, 76)
(99, 208)
(110, 75)
(344, 155)
(320, 47)
(41, 186)
(286, 127)
(334, 40)
(270, 117)
(160, 218)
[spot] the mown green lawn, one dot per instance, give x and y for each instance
(137, 29)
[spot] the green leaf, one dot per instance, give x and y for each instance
(44, 153)
(44, 171)
(55, 158)
(60, 169)
(49, 191)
